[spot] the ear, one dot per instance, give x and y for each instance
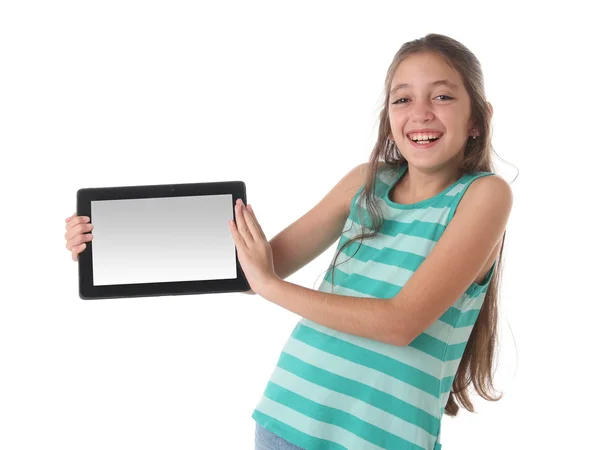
(472, 131)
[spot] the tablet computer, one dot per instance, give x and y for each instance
(170, 239)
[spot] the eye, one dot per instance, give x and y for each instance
(400, 100)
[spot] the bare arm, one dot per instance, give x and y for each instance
(315, 231)
(318, 229)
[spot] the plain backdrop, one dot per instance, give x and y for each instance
(284, 96)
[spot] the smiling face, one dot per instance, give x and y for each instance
(427, 94)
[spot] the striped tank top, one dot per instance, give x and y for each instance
(332, 390)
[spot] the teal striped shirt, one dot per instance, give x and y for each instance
(332, 390)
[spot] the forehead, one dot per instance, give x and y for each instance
(423, 69)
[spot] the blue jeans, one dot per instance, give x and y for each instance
(265, 440)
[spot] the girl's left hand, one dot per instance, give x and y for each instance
(254, 251)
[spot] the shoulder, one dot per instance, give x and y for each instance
(491, 186)
(361, 171)
(359, 174)
(354, 180)
(363, 168)
(490, 192)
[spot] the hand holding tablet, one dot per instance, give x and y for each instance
(253, 248)
(156, 240)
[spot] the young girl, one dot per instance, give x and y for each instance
(399, 329)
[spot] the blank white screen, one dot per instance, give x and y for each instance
(165, 239)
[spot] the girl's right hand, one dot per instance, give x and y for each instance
(250, 292)
(78, 233)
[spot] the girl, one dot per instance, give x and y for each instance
(396, 332)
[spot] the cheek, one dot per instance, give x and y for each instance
(453, 119)
(398, 121)
(397, 114)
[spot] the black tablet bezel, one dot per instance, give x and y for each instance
(87, 290)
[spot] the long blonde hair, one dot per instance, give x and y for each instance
(476, 365)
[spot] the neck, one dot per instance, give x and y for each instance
(422, 183)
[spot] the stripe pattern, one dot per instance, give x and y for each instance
(332, 390)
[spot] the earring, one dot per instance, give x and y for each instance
(474, 136)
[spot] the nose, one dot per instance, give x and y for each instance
(421, 111)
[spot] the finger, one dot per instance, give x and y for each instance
(242, 225)
(78, 239)
(76, 220)
(78, 229)
(252, 224)
(68, 219)
(76, 251)
(262, 233)
(237, 238)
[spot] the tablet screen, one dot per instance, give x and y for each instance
(166, 239)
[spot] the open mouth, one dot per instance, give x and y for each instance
(424, 141)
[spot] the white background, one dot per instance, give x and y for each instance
(284, 96)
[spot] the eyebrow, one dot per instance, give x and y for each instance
(447, 83)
